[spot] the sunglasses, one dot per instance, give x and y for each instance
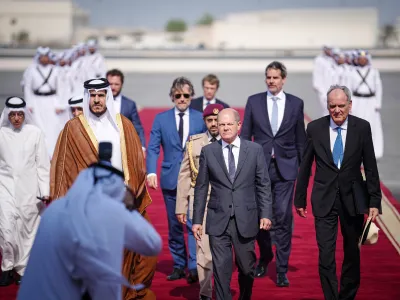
(178, 96)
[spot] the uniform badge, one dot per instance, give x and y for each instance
(215, 111)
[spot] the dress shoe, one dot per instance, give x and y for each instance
(202, 297)
(192, 277)
(261, 270)
(281, 280)
(176, 274)
(18, 280)
(7, 278)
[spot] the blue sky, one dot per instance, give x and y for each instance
(155, 13)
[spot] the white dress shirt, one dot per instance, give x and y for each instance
(205, 101)
(333, 134)
(117, 104)
(235, 150)
(105, 131)
(185, 124)
(281, 106)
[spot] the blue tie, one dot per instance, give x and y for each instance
(337, 152)
(231, 163)
(274, 115)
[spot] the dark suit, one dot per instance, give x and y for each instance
(129, 110)
(250, 196)
(288, 145)
(332, 197)
(197, 104)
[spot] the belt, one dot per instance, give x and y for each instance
(363, 95)
(51, 93)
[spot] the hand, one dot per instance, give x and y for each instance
(46, 199)
(265, 224)
(152, 182)
(181, 218)
(302, 212)
(197, 231)
(59, 111)
(373, 213)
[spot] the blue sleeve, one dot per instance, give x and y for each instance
(153, 148)
(137, 124)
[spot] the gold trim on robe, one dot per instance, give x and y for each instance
(124, 155)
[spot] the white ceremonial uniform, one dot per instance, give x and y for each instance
(44, 80)
(322, 73)
(366, 86)
(96, 67)
(24, 175)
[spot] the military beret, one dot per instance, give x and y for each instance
(212, 109)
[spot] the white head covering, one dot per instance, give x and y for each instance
(84, 247)
(75, 101)
(91, 44)
(98, 85)
(15, 104)
(41, 51)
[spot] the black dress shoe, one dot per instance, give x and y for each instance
(281, 280)
(192, 277)
(7, 278)
(205, 297)
(176, 274)
(261, 270)
(18, 280)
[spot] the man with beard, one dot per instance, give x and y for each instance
(78, 149)
(185, 194)
(24, 181)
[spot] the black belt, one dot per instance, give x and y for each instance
(363, 95)
(37, 93)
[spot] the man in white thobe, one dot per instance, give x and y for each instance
(366, 85)
(42, 95)
(80, 242)
(24, 180)
(96, 67)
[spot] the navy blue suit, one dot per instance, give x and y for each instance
(164, 133)
(197, 104)
(288, 145)
(129, 110)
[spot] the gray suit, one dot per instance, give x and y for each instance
(250, 195)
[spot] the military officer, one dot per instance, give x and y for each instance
(185, 193)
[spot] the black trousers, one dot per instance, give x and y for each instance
(245, 258)
(326, 229)
(282, 220)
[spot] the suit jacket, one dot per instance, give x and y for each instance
(330, 181)
(164, 133)
(288, 143)
(187, 175)
(129, 110)
(197, 104)
(250, 192)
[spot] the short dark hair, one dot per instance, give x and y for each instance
(116, 72)
(178, 85)
(276, 65)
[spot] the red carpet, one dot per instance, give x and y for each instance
(380, 264)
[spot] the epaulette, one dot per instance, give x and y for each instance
(196, 136)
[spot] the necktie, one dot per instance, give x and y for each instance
(274, 116)
(208, 103)
(337, 152)
(180, 131)
(214, 139)
(231, 163)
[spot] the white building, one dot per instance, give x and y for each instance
(40, 22)
(297, 29)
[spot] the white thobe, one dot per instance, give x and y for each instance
(49, 273)
(366, 107)
(105, 131)
(44, 107)
(24, 175)
(96, 67)
(322, 73)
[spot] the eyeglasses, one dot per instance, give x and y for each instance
(178, 96)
